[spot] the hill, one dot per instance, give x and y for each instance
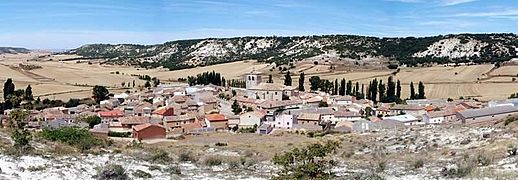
(13, 50)
(282, 50)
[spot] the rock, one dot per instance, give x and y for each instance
(486, 135)
(465, 141)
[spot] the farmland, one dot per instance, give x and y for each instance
(74, 79)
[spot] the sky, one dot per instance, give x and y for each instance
(65, 24)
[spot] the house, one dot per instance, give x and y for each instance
(406, 119)
(163, 112)
(344, 115)
(172, 122)
(414, 110)
(507, 102)
(59, 123)
(251, 119)
(425, 102)
(266, 91)
(217, 121)
(437, 117)
(489, 114)
(130, 121)
(188, 128)
(113, 115)
(284, 121)
(272, 106)
(308, 118)
(342, 100)
(148, 131)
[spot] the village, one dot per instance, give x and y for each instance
(174, 109)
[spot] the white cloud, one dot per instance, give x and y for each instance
(455, 2)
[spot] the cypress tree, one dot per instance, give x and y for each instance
(301, 82)
(412, 90)
(421, 91)
(391, 90)
(374, 90)
(342, 87)
(349, 89)
(362, 93)
(28, 93)
(287, 79)
(381, 90)
(357, 90)
(270, 79)
(335, 91)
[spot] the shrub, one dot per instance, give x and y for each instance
(221, 144)
(112, 171)
(154, 167)
(174, 170)
(119, 134)
(160, 157)
(213, 161)
(73, 136)
(418, 164)
(187, 157)
(141, 174)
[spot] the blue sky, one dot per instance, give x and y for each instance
(45, 24)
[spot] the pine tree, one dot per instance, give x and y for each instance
(287, 79)
(421, 91)
(412, 90)
(342, 87)
(301, 82)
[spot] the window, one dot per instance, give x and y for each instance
(288, 123)
(275, 93)
(253, 78)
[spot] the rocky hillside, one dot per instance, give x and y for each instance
(410, 50)
(12, 50)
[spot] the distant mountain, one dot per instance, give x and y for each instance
(13, 50)
(409, 50)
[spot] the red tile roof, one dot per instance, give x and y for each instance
(144, 126)
(216, 117)
(112, 113)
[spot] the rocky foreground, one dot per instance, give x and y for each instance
(431, 152)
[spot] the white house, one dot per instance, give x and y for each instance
(437, 117)
(340, 116)
(284, 121)
(250, 119)
(406, 119)
(342, 100)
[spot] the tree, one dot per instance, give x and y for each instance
(270, 79)
(100, 93)
(307, 163)
(515, 95)
(357, 88)
(335, 90)
(147, 84)
(349, 91)
(301, 82)
(315, 83)
(287, 79)
(398, 89)
(341, 91)
(412, 90)
(123, 84)
(236, 108)
(420, 90)
(381, 90)
(28, 93)
(72, 102)
(374, 90)
(8, 92)
(133, 83)
(323, 104)
(21, 137)
(391, 90)
(91, 120)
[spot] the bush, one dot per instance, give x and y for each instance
(418, 164)
(112, 171)
(221, 144)
(174, 170)
(141, 174)
(160, 157)
(187, 157)
(119, 134)
(213, 161)
(73, 136)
